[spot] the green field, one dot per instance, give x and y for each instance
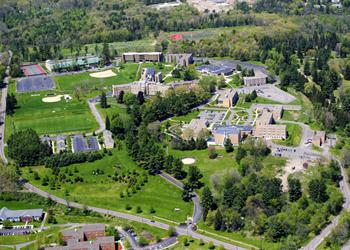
(294, 136)
(68, 83)
(243, 104)
(17, 239)
(50, 118)
(17, 205)
(101, 191)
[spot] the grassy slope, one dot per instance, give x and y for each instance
(101, 191)
(294, 136)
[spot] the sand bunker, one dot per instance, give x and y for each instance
(103, 74)
(188, 161)
(56, 98)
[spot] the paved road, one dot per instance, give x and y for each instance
(180, 230)
(98, 117)
(3, 111)
(197, 212)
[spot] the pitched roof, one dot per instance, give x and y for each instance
(7, 213)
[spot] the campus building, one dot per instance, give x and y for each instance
(137, 57)
(26, 215)
(183, 60)
(83, 61)
(195, 129)
(89, 237)
(258, 79)
(227, 98)
(266, 129)
(152, 88)
(150, 75)
(235, 133)
(214, 70)
(319, 138)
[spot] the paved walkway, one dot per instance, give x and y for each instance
(98, 117)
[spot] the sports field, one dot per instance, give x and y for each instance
(84, 81)
(50, 118)
(101, 190)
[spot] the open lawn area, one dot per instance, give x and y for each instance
(114, 108)
(125, 74)
(18, 205)
(119, 185)
(243, 104)
(17, 239)
(294, 136)
(50, 118)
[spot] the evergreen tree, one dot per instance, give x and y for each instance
(295, 191)
(140, 97)
(106, 55)
(228, 145)
(218, 220)
(104, 103)
(108, 123)
(307, 68)
(241, 153)
(206, 202)
(120, 98)
(194, 176)
(317, 190)
(347, 72)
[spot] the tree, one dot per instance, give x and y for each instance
(218, 221)
(241, 153)
(307, 68)
(108, 123)
(207, 202)
(106, 55)
(26, 148)
(176, 73)
(190, 73)
(295, 191)
(317, 190)
(228, 145)
(346, 72)
(104, 103)
(8, 179)
(120, 98)
(140, 97)
(11, 103)
(172, 231)
(194, 176)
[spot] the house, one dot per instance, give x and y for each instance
(21, 215)
(108, 139)
(223, 132)
(227, 98)
(56, 65)
(319, 138)
(183, 60)
(195, 129)
(258, 79)
(142, 57)
(89, 237)
(214, 70)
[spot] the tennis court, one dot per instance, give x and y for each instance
(34, 83)
(33, 70)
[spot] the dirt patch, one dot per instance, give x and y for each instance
(57, 98)
(103, 74)
(188, 161)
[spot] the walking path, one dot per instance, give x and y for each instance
(98, 117)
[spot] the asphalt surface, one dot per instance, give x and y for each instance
(98, 117)
(3, 112)
(180, 230)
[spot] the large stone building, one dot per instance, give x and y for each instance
(227, 98)
(265, 127)
(142, 57)
(258, 79)
(150, 75)
(152, 88)
(183, 60)
(235, 133)
(195, 129)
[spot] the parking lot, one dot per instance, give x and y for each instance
(212, 117)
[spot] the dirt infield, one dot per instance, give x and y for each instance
(103, 74)
(188, 161)
(57, 98)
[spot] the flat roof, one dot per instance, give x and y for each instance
(141, 53)
(7, 213)
(215, 69)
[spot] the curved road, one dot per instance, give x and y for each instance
(180, 230)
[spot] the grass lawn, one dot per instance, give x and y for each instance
(294, 136)
(18, 205)
(50, 118)
(114, 108)
(125, 74)
(243, 104)
(102, 191)
(186, 118)
(208, 167)
(18, 239)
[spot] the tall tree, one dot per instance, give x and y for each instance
(108, 123)
(218, 220)
(206, 202)
(104, 103)
(228, 145)
(106, 54)
(120, 98)
(295, 191)
(194, 176)
(317, 190)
